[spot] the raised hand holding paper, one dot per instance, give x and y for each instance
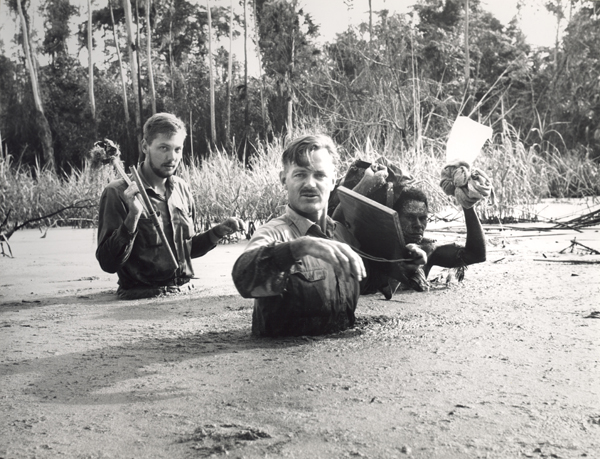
(466, 139)
(468, 185)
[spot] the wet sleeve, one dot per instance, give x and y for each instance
(115, 242)
(263, 269)
(202, 243)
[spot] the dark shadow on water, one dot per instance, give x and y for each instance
(79, 297)
(93, 376)
(81, 377)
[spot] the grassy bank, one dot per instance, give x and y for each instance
(222, 186)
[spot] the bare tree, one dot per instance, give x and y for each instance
(171, 10)
(229, 75)
(134, 71)
(467, 56)
(91, 63)
(149, 51)
(121, 68)
(42, 124)
(246, 92)
(260, 75)
(213, 129)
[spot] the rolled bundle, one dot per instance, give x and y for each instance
(468, 185)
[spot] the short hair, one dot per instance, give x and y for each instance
(408, 194)
(298, 150)
(163, 123)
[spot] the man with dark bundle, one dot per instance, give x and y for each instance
(128, 242)
(412, 206)
(300, 267)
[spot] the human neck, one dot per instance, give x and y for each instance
(157, 183)
(313, 217)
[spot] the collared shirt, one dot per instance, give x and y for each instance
(140, 259)
(295, 297)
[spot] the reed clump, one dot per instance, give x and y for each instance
(223, 186)
(45, 198)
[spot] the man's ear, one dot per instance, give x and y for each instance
(282, 176)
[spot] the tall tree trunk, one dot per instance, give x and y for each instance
(290, 89)
(138, 47)
(213, 128)
(171, 9)
(263, 110)
(91, 64)
(467, 57)
(134, 78)
(191, 138)
(370, 25)
(229, 76)
(41, 122)
(149, 51)
(559, 16)
(246, 89)
(121, 68)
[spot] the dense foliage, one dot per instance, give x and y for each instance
(392, 87)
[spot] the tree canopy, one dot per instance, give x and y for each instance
(395, 82)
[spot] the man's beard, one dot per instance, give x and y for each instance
(160, 173)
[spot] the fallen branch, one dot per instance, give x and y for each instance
(590, 219)
(16, 227)
(574, 243)
(6, 233)
(570, 260)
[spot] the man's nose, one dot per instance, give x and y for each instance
(310, 181)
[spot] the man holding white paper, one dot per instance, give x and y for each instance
(468, 185)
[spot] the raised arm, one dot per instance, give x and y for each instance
(454, 255)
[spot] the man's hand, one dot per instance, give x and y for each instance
(344, 260)
(134, 204)
(375, 177)
(417, 255)
(229, 226)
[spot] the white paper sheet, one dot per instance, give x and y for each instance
(466, 139)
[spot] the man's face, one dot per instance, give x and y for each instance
(164, 153)
(309, 186)
(413, 219)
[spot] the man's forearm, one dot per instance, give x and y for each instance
(202, 243)
(131, 222)
(263, 271)
(475, 245)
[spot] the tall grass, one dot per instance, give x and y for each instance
(222, 186)
(32, 193)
